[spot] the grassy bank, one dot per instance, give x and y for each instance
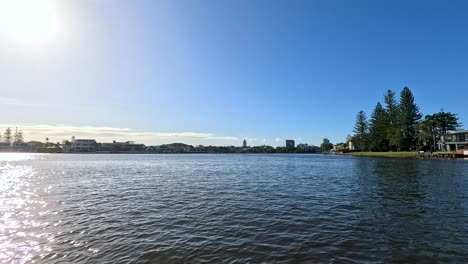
(400, 154)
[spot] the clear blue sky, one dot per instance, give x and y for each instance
(252, 69)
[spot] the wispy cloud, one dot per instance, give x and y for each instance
(15, 102)
(10, 101)
(107, 134)
(278, 139)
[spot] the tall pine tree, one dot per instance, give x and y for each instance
(18, 136)
(361, 129)
(7, 137)
(393, 130)
(409, 118)
(378, 129)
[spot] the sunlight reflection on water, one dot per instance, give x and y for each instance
(20, 210)
(18, 156)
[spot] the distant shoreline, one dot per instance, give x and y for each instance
(400, 155)
(98, 153)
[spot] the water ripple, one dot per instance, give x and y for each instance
(231, 209)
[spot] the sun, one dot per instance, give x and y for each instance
(28, 20)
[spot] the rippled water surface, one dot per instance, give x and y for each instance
(231, 208)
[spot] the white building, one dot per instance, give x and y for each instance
(340, 146)
(350, 141)
(82, 145)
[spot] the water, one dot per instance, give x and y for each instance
(231, 208)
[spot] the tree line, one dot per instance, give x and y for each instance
(399, 126)
(12, 137)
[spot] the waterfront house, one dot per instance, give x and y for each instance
(351, 143)
(127, 146)
(339, 147)
(453, 140)
(81, 145)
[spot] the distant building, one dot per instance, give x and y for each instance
(5, 146)
(339, 146)
(21, 146)
(82, 145)
(244, 144)
(290, 143)
(127, 146)
(453, 140)
(178, 148)
(326, 141)
(308, 148)
(36, 146)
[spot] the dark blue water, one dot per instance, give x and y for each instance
(231, 208)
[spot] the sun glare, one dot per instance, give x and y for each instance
(28, 20)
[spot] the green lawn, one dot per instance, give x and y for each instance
(444, 152)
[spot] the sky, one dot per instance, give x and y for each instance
(218, 71)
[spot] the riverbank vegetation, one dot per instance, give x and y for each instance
(399, 126)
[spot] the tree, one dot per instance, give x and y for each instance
(378, 129)
(393, 131)
(18, 136)
(361, 129)
(96, 146)
(409, 118)
(326, 146)
(7, 138)
(425, 134)
(445, 121)
(398, 126)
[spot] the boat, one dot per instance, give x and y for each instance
(462, 152)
